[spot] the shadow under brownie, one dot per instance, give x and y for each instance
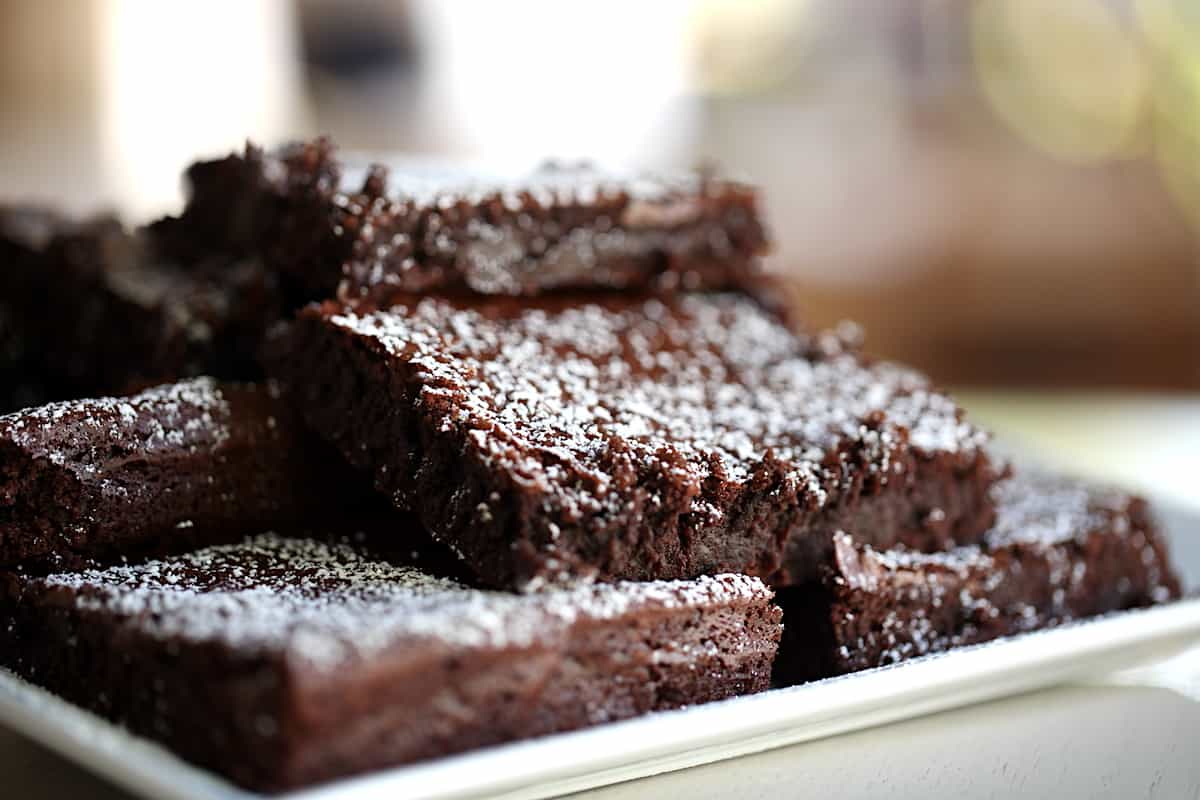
(282, 662)
(634, 436)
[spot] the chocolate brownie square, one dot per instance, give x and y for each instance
(111, 315)
(191, 461)
(283, 662)
(634, 436)
(354, 229)
(1061, 550)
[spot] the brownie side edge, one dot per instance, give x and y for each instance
(604, 671)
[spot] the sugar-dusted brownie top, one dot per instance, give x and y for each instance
(325, 605)
(363, 228)
(633, 436)
(193, 460)
(280, 662)
(1060, 550)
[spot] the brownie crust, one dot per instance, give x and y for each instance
(1060, 551)
(196, 460)
(634, 436)
(281, 663)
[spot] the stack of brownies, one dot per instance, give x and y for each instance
(383, 467)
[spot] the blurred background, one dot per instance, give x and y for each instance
(1006, 193)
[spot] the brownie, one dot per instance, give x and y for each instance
(24, 232)
(282, 662)
(1060, 551)
(111, 314)
(194, 461)
(232, 205)
(634, 436)
(113, 310)
(356, 229)
(21, 382)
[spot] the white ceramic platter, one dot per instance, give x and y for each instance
(673, 740)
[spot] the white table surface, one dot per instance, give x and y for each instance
(1123, 737)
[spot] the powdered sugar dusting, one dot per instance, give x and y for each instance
(1058, 510)
(705, 385)
(84, 434)
(416, 226)
(326, 604)
(433, 185)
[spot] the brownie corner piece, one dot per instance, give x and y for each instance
(633, 435)
(284, 662)
(1060, 550)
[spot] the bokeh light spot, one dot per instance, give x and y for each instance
(1069, 77)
